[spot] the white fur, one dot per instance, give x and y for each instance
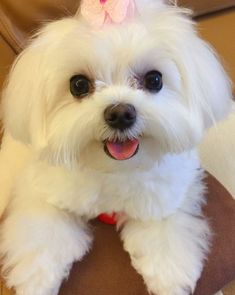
(55, 175)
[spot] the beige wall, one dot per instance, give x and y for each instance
(219, 30)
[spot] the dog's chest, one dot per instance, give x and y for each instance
(153, 194)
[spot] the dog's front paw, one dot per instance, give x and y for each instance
(37, 285)
(35, 274)
(38, 247)
(167, 276)
(170, 284)
(168, 254)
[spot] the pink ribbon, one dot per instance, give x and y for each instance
(99, 12)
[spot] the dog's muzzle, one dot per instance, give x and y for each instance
(121, 117)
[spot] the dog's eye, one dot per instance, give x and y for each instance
(80, 85)
(153, 81)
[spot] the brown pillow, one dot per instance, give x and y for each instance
(106, 270)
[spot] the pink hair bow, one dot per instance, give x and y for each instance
(99, 12)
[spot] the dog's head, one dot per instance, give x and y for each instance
(116, 97)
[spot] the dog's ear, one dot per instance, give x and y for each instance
(208, 87)
(24, 99)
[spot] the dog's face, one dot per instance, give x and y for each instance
(116, 98)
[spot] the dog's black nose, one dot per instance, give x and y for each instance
(120, 116)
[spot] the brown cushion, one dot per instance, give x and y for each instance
(107, 269)
(220, 267)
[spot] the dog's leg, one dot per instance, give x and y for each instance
(168, 254)
(39, 243)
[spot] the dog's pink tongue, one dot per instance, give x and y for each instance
(122, 150)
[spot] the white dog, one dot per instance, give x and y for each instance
(107, 120)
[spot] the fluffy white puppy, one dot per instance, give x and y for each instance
(103, 120)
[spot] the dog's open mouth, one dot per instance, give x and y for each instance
(121, 150)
